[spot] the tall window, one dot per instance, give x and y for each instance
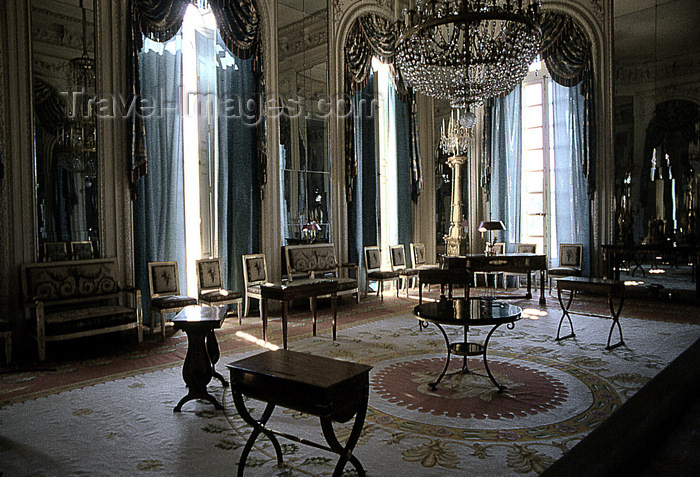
(537, 192)
(185, 132)
(538, 187)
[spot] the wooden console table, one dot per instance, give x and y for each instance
(331, 389)
(615, 289)
(287, 291)
(510, 262)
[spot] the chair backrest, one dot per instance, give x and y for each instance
(570, 255)
(499, 248)
(209, 274)
(373, 258)
(254, 269)
(397, 256)
(418, 254)
(81, 250)
(525, 248)
(163, 279)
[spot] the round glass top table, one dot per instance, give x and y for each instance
(466, 313)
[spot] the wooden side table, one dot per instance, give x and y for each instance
(199, 323)
(615, 289)
(331, 389)
(306, 288)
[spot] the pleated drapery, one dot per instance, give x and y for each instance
(506, 170)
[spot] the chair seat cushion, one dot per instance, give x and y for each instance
(382, 275)
(172, 301)
(254, 289)
(568, 271)
(219, 296)
(408, 272)
(345, 283)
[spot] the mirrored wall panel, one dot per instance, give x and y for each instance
(304, 150)
(65, 154)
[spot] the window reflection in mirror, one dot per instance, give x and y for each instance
(304, 151)
(63, 61)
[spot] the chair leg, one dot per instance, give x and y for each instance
(153, 320)
(247, 305)
(239, 307)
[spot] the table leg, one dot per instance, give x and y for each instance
(433, 386)
(528, 295)
(346, 452)
(258, 427)
(616, 320)
(313, 312)
(197, 370)
(565, 313)
(263, 306)
(285, 310)
(334, 307)
(543, 300)
(500, 387)
(214, 354)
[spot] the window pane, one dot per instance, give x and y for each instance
(532, 116)
(533, 203)
(532, 94)
(532, 181)
(532, 160)
(534, 225)
(532, 138)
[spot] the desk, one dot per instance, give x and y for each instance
(510, 262)
(287, 291)
(615, 289)
(199, 323)
(615, 254)
(466, 313)
(331, 389)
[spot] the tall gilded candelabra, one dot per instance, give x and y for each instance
(455, 141)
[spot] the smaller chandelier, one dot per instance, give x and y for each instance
(466, 51)
(454, 141)
(76, 137)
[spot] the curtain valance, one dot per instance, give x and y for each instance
(238, 23)
(565, 49)
(370, 35)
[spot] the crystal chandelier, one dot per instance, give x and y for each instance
(466, 51)
(76, 142)
(454, 141)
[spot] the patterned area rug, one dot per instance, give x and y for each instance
(557, 393)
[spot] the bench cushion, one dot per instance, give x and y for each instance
(218, 295)
(90, 318)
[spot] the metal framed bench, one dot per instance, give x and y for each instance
(615, 289)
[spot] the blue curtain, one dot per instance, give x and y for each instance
(402, 117)
(238, 197)
(572, 212)
(159, 212)
(506, 168)
(362, 209)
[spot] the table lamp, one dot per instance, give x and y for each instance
(491, 226)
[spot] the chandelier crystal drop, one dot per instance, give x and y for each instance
(466, 51)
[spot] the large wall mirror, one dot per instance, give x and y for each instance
(304, 126)
(657, 74)
(657, 122)
(63, 77)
